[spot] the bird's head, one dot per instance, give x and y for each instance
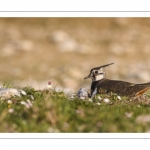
(97, 73)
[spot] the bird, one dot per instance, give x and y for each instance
(102, 85)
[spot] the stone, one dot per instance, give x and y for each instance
(82, 93)
(9, 92)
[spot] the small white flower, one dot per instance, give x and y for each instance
(119, 97)
(23, 102)
(98, 103)
(23, 92)
(10, 110)
(27, 106)
(99, 98)
(72, 96)
(138, 106)
(9, 101)
(29, 103)
(90, 100)
(32, 97)
(106, 100)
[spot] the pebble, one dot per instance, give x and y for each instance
(7, 93)
(82, 93)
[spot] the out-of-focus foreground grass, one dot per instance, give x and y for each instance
(51, 111)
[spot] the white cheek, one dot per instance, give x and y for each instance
(99, 77)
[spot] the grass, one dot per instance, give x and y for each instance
(51, 111)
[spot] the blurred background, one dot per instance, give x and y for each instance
(34, 51)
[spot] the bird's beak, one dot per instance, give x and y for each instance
(87, 76)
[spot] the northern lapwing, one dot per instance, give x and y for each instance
(102, 85)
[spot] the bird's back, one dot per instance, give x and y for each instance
(122, 88)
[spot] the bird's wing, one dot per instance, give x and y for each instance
(115, 86)
(138, 89)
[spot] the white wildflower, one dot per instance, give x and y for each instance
(10, 110)
(27, 106)
(138, 106)
(72, 97)
(23, 92)
(98, 103)
(106, 100)
(23, 102)
(90, 100)
(9, 101)
(32, 97)
(99, 98)
(119, 97)
(29, 102)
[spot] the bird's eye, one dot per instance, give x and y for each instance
(96, 72)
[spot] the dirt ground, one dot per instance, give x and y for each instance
(34, 51)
